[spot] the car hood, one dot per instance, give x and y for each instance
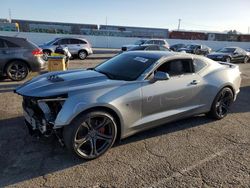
(218, 54)
(58, 83)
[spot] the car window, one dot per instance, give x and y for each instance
(152, 48)
(82, 42)
(150, 42)
(160, 42)
(2, 43)
(11, 44)
(73, 41)
(177, 67)
(163, 48)
(199, 65)
(64, 41)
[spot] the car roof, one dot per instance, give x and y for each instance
(71, 38)
(158, 54)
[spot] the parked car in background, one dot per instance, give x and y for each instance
(198, 49)
(129, 46)
(77, 47)
(160, 42)
(18, 57)
(176, 47)
(89, 110)
(230, 54)
(149, 47)
(248, 53)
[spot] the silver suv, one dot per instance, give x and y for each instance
(77, 47)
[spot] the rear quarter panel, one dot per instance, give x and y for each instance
(218, 76)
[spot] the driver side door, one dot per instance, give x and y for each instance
(174, 98)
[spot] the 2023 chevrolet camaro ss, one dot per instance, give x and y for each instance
(88, 110)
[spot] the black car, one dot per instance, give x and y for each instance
(149, 47)
(198, 49)
(176, 47)
(18, 57)
(230, 54)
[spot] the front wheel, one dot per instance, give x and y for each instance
(82, 55)
(228, 59)
(17, 70)
(90, 135)
(246, 59)
(221, 104)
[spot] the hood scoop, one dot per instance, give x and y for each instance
(55, 78)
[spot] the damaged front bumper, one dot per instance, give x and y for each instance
(40, 114)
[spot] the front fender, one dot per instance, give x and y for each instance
(72, 108)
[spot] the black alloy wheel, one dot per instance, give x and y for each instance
(92, 135)
(222, 104)
(17, 70)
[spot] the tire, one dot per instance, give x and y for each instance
(228, 60)
(82, 54)
(90, 135)
(17, 70)
(46, 53)
(221, 104)
(246, 59)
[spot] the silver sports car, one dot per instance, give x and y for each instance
(88, 110)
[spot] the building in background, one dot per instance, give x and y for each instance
(217, 36)
(52, 27)
(117, 31)
(5, 25)
(188, 35)
(140, 32)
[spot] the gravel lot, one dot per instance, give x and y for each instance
(195, 152)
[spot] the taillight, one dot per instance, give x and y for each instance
(37, 52)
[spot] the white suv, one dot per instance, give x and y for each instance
(77, 47)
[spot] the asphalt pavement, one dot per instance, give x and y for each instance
(195, 152)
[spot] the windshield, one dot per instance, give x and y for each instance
(191, 46)
(140, 42)
(227, 50)
(137, 48)
(125, 66)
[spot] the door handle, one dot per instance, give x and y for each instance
(194, 82)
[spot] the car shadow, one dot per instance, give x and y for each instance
(23, 157)
(242, 103)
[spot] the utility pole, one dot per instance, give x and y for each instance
(179, 24)
(9, 15)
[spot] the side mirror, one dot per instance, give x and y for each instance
(160, 76)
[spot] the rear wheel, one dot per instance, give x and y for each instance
(221, 104)
(46, 54)
(90, 135)
(82, 55)
(17, 70)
